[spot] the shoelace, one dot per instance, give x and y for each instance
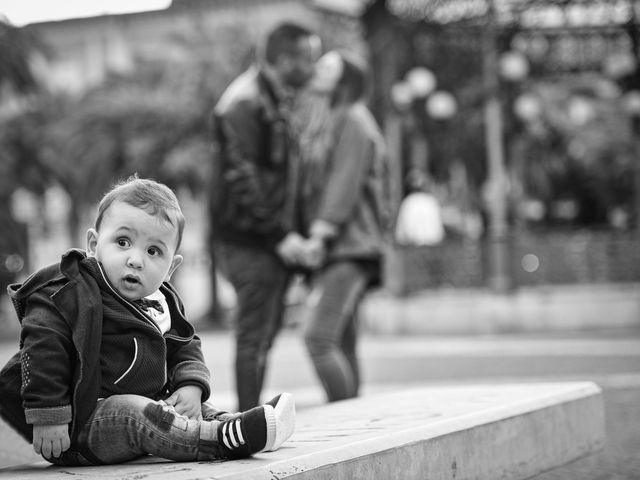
(232, 434)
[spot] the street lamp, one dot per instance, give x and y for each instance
(624, 69)
(631, 102)
(511, 66)
(417, 93)
(414, 97)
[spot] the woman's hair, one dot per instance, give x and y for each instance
(355, 82)
(154, 198)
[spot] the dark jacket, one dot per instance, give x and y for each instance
(75, 332)
(255, 181)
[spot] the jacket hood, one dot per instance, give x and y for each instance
(57, 273)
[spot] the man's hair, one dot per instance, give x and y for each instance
(283, 39)
(153, 197)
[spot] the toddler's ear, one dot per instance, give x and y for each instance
(175, 263)
(92, 242)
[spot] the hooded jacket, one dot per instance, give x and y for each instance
(74, 330)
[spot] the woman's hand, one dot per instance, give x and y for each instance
(314, 253)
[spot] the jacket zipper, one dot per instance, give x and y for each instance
(133, 362)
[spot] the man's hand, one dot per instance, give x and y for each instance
(187, 401)
(291, 249)
(51, 440)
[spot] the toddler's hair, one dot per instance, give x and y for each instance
(153, 197)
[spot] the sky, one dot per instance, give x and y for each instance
(22, 12)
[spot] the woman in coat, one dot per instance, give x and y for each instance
(347, 213)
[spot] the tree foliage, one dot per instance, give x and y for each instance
(19, 160)
(16, 48)
(153, 121)
(588, 163)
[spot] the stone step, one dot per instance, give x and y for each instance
(506, 431)
(557, 308)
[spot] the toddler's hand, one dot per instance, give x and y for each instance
(187, 401)
(51, 440)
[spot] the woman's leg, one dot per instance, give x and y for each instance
(330, 333)
(349, 348)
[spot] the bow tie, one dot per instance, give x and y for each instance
(145, 304)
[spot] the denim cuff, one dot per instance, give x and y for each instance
(49, 415)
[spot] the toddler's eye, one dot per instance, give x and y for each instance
(153, 251)
(123, 242)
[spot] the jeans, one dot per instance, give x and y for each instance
(331, 333)
(126, 427)
(260, 280)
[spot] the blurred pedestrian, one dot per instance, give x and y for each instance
(348, 221)
(255, 192)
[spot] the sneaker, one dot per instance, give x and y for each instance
(284, 414)
(261, 429)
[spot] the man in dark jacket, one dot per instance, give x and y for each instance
(255, 192)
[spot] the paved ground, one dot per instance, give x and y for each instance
(612, 359)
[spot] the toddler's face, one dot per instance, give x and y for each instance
(136, 250)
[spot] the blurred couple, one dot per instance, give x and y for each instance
(299, 185)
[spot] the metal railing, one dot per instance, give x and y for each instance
(569, 257)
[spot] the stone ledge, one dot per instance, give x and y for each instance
(511, 431)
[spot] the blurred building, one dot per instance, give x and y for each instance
(82, 51)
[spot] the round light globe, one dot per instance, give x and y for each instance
(581, 111)
(527, 107)
(422, 81)
(441, 105)
(631, 102)
(619, 65)
(402, 95)
(513, 66)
